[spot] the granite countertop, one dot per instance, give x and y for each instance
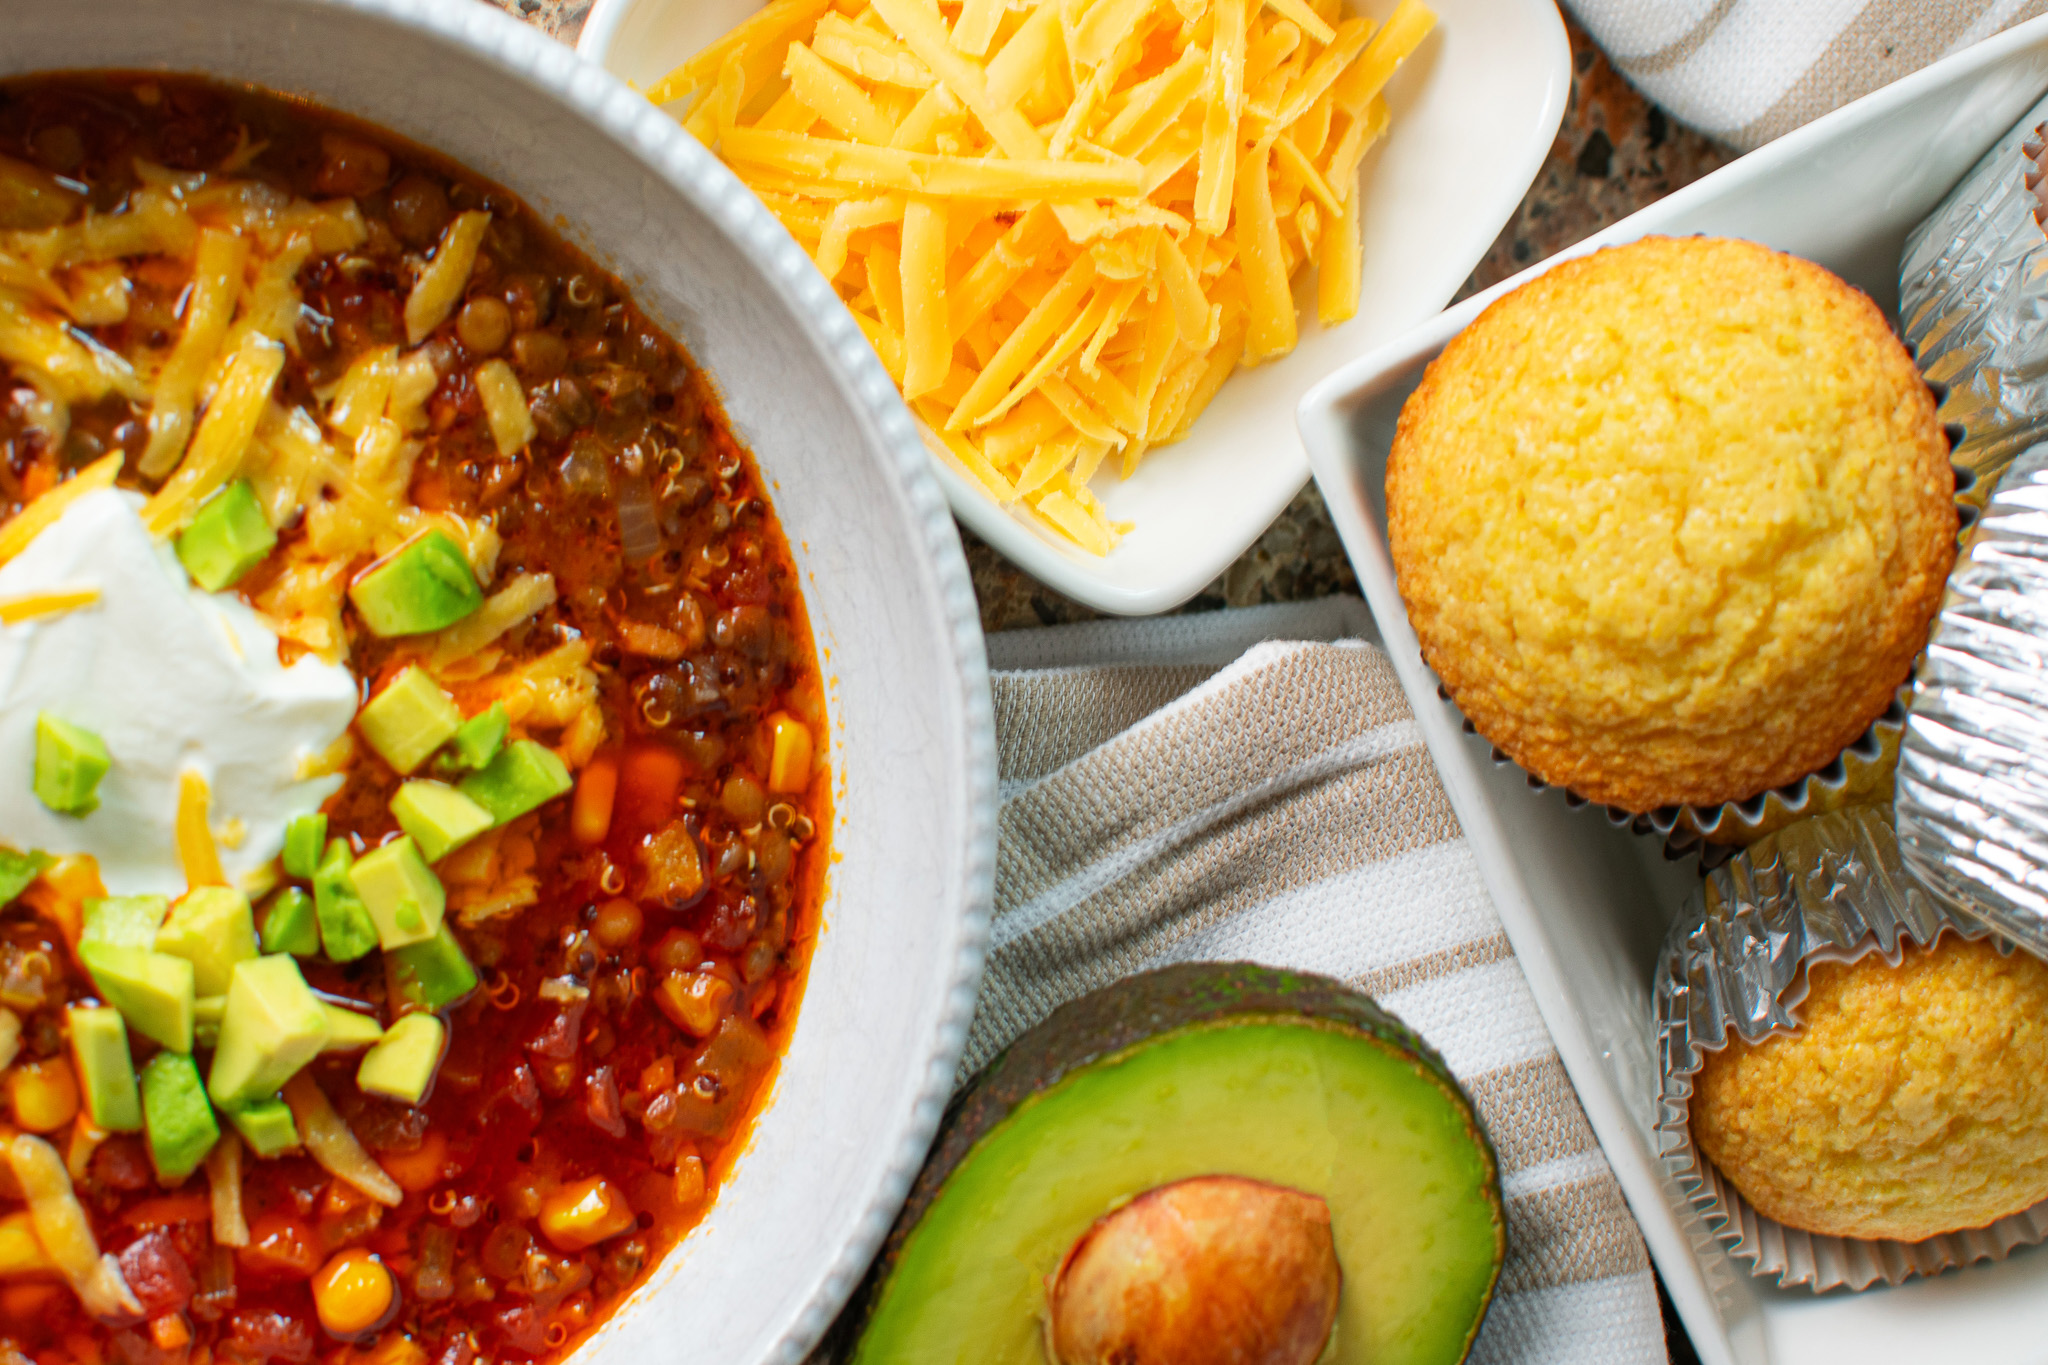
(1614, 154)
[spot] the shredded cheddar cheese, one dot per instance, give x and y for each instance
(1062, 224)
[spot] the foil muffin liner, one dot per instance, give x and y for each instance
(1973, 305)
(1973, 768)
(1832, 888)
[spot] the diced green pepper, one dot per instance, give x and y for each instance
(70, 761)
(409, 719)
(439, 818)
(177, 1116)
(17, 870)
(477, 742)
(228, 536)
(346, 929)
(304, 839)
(430, 975)
(523, 777)
(290, 924)
(401, 892)
(266, 1125)
(425, 585)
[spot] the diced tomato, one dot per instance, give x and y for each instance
(122, 1163)
(157, 1273)
(649, 778)
(524, 1330)
(261, 1336)
(280, 1246)
(169, 1210)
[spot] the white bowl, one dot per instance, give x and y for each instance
(893, 975)
(1587, 905)
(1474, 113)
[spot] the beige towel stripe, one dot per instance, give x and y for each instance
(1883, 43)
(1483, 952)
(1676, 51)
(1310, 835)
(1118, 800)
(1531, 1112)
(1571, 1234)
(1046, 720)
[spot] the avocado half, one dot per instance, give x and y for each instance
(1204, 1069)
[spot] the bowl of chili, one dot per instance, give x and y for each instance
(670, 716)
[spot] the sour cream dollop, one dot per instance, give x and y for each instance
(173, 679)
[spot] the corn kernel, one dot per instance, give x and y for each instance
(21, 1254)
(353, 1293)
(789, 770)
(584, 1213)
(44, 1095)
(170, 1331)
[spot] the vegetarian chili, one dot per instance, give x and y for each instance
(474, 474)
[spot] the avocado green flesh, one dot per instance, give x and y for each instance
(1315, 1107)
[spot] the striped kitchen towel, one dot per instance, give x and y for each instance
(1746, 71)
(1252, 785)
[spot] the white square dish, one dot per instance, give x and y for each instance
(1474, 112)
(1587, 905)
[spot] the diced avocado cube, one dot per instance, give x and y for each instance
(403, 1065)
(290, 925)
(70, 761)
(206, 1013)
(346, 929)
(125, 921)
(477, 742)
(430, 975)
(273, 1025)
(106, 1070)
(304, 840)
(228, 536)
(17, 870)
(439, 818)
(518, 780)
(177, 1116)
(400, 891)
(266, 1125)
(349, 1030)
(152, 990)
(409, 719)
(424, 585)
(212, 928)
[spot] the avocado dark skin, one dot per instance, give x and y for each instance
(1110, 1021)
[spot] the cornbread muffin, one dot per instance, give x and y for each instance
(1672, 520)
(1912, 1101)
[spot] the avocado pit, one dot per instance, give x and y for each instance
(1211, 1269)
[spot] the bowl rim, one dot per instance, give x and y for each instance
(1069, 571)
(583, 89)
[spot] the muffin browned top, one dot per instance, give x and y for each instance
(1672, 520)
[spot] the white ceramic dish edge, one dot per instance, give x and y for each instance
(965, 868)
(1203, 502)
(1544, 863)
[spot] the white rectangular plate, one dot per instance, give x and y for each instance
(1586, 905)
(1474, 112)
